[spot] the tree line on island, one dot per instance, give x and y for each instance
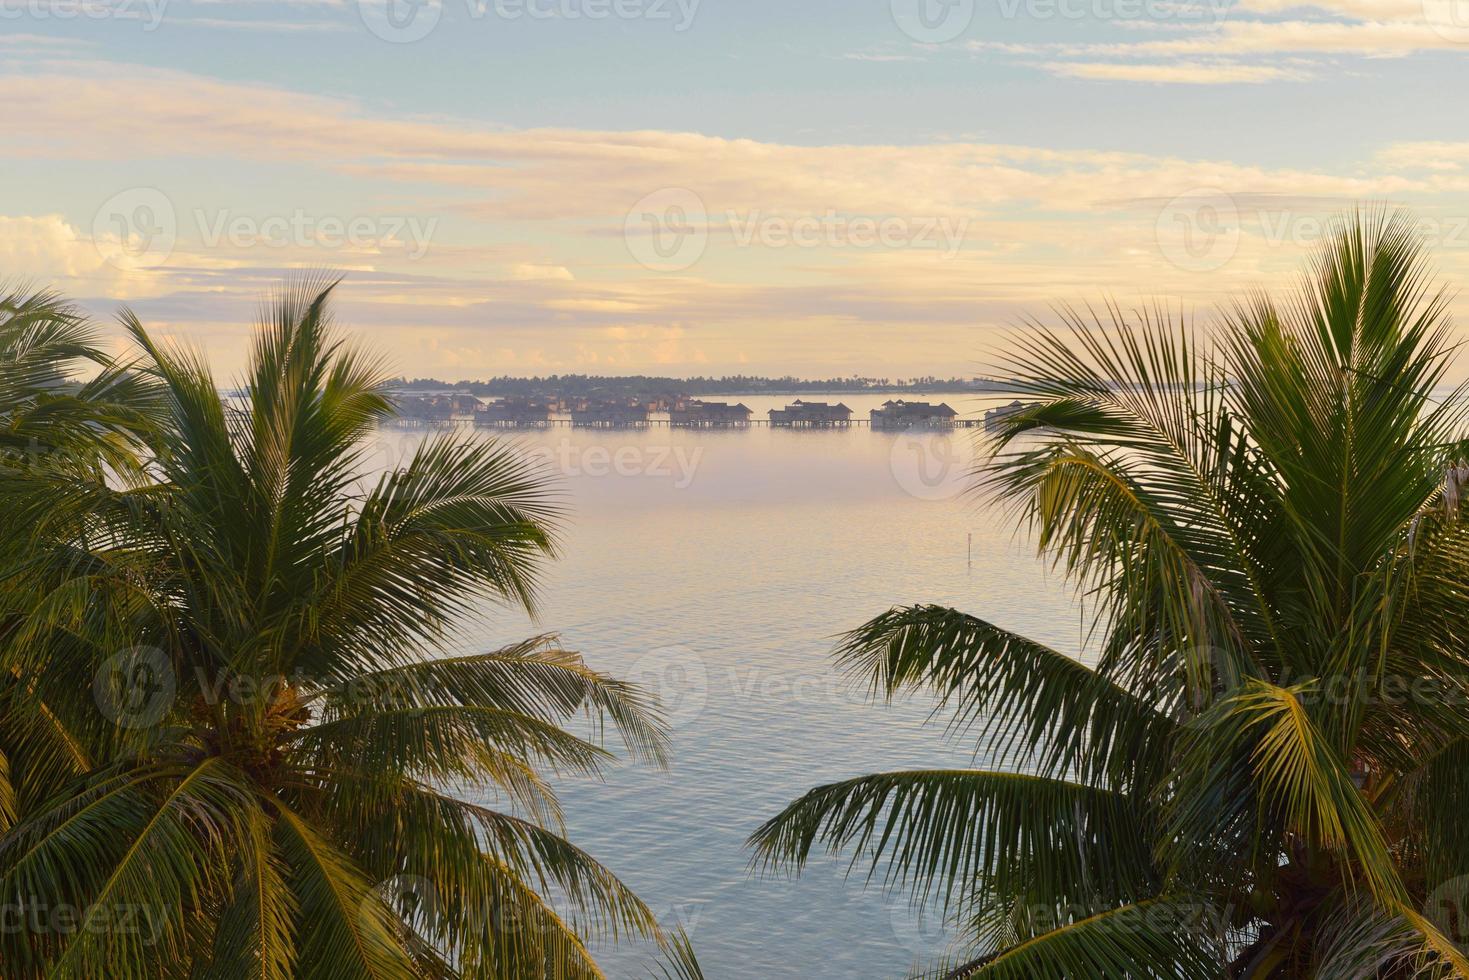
(238, 738)
(645, 387)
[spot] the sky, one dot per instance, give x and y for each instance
(814, 187)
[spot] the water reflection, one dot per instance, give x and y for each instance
(717, 566)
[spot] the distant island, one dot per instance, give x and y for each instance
(642, 386)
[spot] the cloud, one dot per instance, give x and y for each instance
(1247, 46)
(34, 40)
(1186, 73)
(530, 254)
(879, 56)
(1425, 155)
(527, 272)
(16, 46)
(1373, 10)
(265, 26)
(556, 175)
(1254, 37)
(45, 246)
(48, 250)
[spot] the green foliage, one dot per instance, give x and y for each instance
(299, 789)
(1263, 773)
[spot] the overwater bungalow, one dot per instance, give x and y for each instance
(799, 414)
(995, 416)
(709, 415)
(515, 413)
(436, 408)
(609, 415)
(912, 415)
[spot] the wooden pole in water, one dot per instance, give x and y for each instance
(969, 554)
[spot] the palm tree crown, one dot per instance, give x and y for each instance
(48, 418)
(271, 774)
(1258, 772)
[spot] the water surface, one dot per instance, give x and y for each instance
(717, 566)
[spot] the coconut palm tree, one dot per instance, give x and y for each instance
(77, 429)
(1260, 769)
(44, 344)
(282, 776)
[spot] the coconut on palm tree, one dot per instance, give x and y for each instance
(269, 768)
(1259, 769)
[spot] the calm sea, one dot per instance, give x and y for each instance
(717, 567)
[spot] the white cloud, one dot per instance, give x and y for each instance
(1368, 38)
(527, 272)
(45, 247)
(596, 176)
(1186, 73)
(879, 56)
(1041, 224)
(17, 46)
(34, 40)
(265, 26)
(1374, 10)
(1443, 157)
(1178, 51)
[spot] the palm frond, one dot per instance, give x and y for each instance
(535, 678)
(345, 927)
(949, 833)
(1033, 705)
(1158, 937)
(1255, 765)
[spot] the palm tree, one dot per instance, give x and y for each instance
(51, 423)
(45, 415)
(1261, 772)
(282, 779)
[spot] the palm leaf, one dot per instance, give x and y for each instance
(947, 832)
(1036, 706)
